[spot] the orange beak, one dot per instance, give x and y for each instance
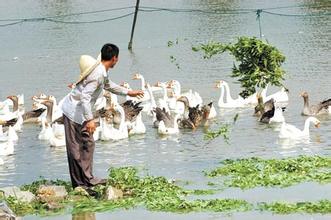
(317, 125)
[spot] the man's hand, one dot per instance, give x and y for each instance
(90, 126)
(136, 93)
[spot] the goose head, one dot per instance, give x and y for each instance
(316, 122)
(173, 84)
(125, 85)
(185, 100)
(161, 85)
(172, 94)
(49, 107)
(218, 84)
(14, 98)
(137, 76)
(304, 94)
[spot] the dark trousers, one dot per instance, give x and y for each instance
(80, 148)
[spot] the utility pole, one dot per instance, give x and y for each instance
(134, 24)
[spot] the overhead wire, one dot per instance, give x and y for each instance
(270, 11)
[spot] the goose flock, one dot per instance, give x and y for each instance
(169, 108)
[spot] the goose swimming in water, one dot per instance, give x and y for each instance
(109, 132)
(167, 124)
(197, 116)
(193, 96)
(229, 101)
(292, 132)
(311, 110)
(7, 147)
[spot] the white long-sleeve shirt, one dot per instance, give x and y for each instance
(78, 104)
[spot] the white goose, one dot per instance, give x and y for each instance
(163, 102)
(57, 138)
(57, 135)
(96, 134)
(149, 106)
(2, 136)
(4, 107)
(292, 132)
(9, 135)
(109, 132)
(7, 147)
(138, 126)
(162, 129)
(278, 116)
(193, 97)
(213, 112)
(280, 96)
(46, 132)
(229, 103)
(138, 76)
(252, 99)
(146, 97)
(20, 100)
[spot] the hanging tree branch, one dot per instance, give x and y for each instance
(258, 63)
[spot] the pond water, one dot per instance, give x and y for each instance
(43, 57)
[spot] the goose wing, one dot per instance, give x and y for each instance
(33, 114)
(131, 110)
(162, 115)
(325, 104)
(10, 122)
(265, 118)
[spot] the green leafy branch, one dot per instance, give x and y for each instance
(259, 63)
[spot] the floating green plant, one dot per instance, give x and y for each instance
(322, 207)
(160, 194)
(254, 172)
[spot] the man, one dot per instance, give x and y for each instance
(78, 110)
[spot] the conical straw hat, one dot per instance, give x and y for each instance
(87, 64)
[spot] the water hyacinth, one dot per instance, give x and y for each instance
(153, 193)
(254, 172)
(322, 207)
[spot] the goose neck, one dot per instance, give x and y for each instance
(164, 89)
(227, 90)
(177, 89)
(221, 99)
(49, 115)
(306, 102)
(143, 83)
(15, 104)
(307, 125)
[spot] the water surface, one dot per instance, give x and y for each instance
(47, 60)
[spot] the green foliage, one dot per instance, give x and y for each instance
(94, 205)
(19, 207)
(174, 61)
(34, 186)
(211, 48)
(322, 207)
(160, 194)
(253, 172)
(259, 62)
(221, 131)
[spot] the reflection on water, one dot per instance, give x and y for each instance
(84, 216)
(47, 59)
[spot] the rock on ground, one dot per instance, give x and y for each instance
(14, 191)
(5, 212)
(113, 193)
(51, 193)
